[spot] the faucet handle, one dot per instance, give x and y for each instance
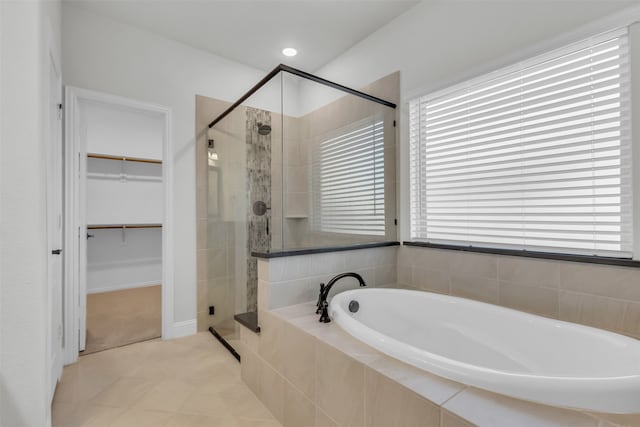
(324, 318)
(319, 303)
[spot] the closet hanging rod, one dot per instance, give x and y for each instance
(119, 226)
(128, 159)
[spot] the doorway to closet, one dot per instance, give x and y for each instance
(119, 198)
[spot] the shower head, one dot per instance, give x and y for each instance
(264, 129)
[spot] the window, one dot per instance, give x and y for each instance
(536, 156)
(348, 180)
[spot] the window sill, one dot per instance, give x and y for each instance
(622, 262)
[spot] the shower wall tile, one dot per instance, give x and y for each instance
(301, 133)
(297, 179)
(217, 260)
(217, 277)
(217, 234)
(202, 264)
(297, 205)
(201, 235)
(202, 321)
(203, 295)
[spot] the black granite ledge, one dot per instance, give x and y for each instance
(248, 320)
(589, 259)
(294, 252)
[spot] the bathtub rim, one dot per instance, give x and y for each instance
(567, 392)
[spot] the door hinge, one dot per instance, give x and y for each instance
(395, 221)
(60, 109)
(394, 123)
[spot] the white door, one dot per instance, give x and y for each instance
(55, 221)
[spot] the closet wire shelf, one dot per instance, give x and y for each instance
(123, 158)
(121, 226)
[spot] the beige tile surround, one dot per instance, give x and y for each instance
(312, 375)
(602, 296)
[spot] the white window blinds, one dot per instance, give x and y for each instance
(348, 180)
(534, 157)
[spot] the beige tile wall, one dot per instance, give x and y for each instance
(220, 252)
(603, 296)
(298, 138)
(293, 280)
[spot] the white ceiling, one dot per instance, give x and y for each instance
(255, 32)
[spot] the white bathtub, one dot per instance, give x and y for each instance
(497, 349)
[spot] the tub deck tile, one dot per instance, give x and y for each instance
(433, 388)
(486, 409)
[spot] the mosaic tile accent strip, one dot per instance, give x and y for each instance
(258, 190)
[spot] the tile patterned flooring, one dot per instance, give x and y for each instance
(187, 382)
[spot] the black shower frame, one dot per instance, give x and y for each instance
(304, 75)
(253, 90)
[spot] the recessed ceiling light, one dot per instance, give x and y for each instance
(289, 51)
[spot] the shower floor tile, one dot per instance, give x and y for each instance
(186, 382)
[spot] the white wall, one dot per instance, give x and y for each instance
(26, 30)
(107, 56)
(441, 42)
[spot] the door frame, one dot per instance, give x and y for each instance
(75, 166)
(55, 333)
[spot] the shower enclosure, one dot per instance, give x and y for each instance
(297, 162)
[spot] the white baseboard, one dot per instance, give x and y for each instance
(124, 286)
(183, 329)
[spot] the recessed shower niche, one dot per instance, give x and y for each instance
(296, 163)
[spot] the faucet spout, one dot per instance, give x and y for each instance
(323, 305)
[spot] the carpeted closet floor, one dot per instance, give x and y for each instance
(124, 317)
